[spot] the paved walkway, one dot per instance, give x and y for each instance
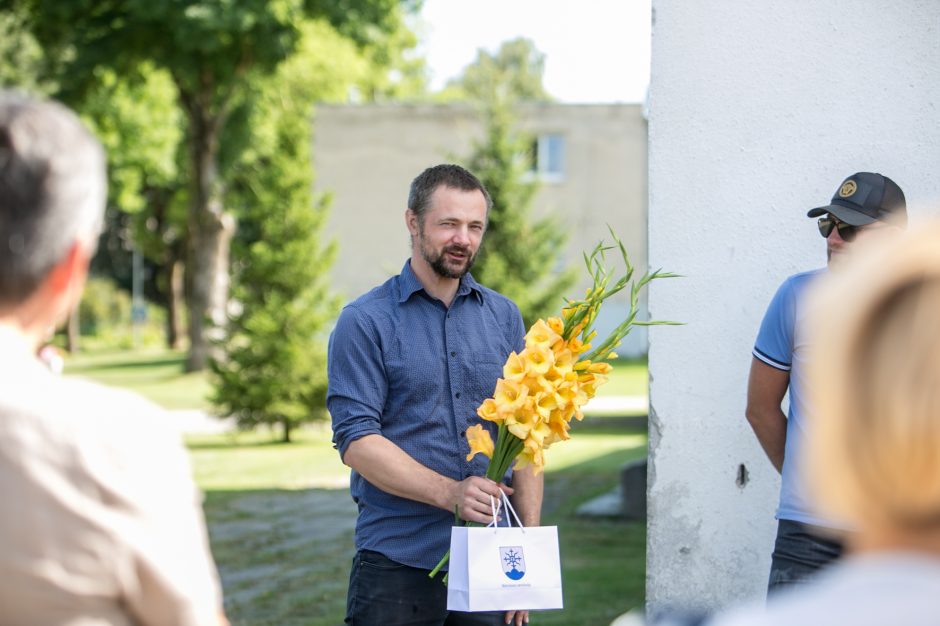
(195, 422)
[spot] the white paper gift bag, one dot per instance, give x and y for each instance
(504, 568)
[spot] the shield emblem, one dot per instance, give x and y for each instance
(513, 561)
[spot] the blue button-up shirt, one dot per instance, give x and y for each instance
(404, 366)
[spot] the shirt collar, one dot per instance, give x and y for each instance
(408, 284)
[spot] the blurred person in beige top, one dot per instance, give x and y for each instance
(100, 521)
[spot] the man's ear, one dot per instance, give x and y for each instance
(66, 280)
(411, 221)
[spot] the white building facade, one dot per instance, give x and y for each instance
(757, 112)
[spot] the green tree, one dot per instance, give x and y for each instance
(212, 50)
(513, 74)
(521, 256)
(142, 131)
(273, 370)
(20, 56)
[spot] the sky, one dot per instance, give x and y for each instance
(595, 50)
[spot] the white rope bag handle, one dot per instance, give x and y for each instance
(495, 505)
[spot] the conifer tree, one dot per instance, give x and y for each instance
(273, 370)
(521, 256)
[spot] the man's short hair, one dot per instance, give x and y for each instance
(52, 190)
(448, 175)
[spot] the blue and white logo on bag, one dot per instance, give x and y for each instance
(513, 561)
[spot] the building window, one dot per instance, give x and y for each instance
(548, 157)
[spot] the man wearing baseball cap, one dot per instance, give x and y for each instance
(864, 203)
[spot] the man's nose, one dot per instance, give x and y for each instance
(462, 235)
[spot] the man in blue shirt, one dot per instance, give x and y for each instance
(864, 204)
(409, 363)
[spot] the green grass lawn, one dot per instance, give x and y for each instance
(281, 525)
(281, 519)
(158, 374)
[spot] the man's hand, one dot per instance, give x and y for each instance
(474, 497)
(517, 618)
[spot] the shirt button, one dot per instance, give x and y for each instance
(453, 354)
(458, 394)
(463, 434)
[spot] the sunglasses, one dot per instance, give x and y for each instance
(846, 231)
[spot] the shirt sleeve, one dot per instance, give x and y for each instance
(358, 384)
(774, 345)
(517, 330)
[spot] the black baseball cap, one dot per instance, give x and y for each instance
(866, 197)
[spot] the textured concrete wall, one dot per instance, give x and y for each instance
(757, 111)
(367, 156)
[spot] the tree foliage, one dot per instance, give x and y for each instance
(272, 370)
(21, 57)
(521, 256)
(513, 74)
(213, 51)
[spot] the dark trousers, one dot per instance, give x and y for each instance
(800, 552)
(385, 593)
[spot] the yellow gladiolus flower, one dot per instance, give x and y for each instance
(556, 324)
(576, 345)
(480, 441)
(545, 403)
(533, 457)
(541, 334)
(559, 423)
(600, 368)
(510, 395)
(489, 411)
(537, 434)
(590, 387)
(564, 358)
(538, 359)
(521, 422)
(514, 368)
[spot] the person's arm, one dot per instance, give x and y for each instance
(527, 501)
(766, 387)
(391, 469)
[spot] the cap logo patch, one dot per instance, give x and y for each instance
(847, 189)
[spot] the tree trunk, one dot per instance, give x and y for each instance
(285, 423)
(210, 235)
(174, 302)
(72, 332)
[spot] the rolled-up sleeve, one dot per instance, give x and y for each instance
(357, 380)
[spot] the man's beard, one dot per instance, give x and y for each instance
(439, 264)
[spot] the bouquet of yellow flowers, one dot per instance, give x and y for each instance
(546, 385)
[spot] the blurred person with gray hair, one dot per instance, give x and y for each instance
(873, 447)
(101, 523)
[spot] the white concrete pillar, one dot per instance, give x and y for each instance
(757, 112)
